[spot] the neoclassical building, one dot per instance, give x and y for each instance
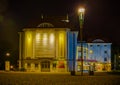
(51, 46)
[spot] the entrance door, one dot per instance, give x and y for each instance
(45, 66)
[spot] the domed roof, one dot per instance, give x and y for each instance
(45, 25)
(98, 41)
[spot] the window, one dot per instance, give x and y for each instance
(28, 65)
(98, 45)
(105, 51)
(105, 45)
(36, 65)
(54, 65)
(91, 45)
(105, 59)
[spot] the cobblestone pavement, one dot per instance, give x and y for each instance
(23, 78)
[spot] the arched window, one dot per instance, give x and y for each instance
(45, 25)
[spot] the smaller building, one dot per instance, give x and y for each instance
(96, 56)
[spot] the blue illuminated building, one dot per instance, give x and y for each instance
(96, 54)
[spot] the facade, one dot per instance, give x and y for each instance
(96, 55)
(44, 49)
(49, 48)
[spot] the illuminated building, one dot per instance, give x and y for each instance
(48, 47)
(97, 54)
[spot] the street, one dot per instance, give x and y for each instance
(24, 78)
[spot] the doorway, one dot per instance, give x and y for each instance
(45, 66)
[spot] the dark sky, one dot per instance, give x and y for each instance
(101, 17)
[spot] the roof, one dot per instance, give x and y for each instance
(50, 22)
(98, 40)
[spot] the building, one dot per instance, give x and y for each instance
(96, 54)
(51, 46)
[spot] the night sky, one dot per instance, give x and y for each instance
(101, 18)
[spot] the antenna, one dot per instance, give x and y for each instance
(41, 16)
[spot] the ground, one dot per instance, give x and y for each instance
(23, 78)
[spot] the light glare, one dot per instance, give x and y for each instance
(81, 10)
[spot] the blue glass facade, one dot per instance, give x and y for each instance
(96, 53)
(72, 45)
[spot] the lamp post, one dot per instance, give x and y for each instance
(81, 12)
(7, 62)
(7, 54)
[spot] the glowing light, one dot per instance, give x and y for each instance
(45, 38)
(81, 10)
(11, 67)
(7, 54)
(61, 37)
(91, 51)
(38, 37)
(29, 37)
(52, 38)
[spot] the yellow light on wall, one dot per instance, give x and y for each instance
(38, 37)
(91, 51)
(45, 39)
(29, 38)
(28, 44)
(61, 44)
(52, 38)
(61, 38)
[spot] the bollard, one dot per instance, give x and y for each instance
(91, 72)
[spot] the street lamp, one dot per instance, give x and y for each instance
(7, 54)
(81, 12)
(7, 62)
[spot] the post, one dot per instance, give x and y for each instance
(115, 62)
(7, 65)
(20, 44)
(81, 19)
(7, 62)
(73, 72)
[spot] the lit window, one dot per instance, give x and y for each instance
(91, 51)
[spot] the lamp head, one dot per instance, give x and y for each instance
(7, 54)
(81, 10)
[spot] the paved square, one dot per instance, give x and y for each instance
(20, 78)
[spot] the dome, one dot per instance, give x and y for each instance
(45, 25)
(97, 40)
